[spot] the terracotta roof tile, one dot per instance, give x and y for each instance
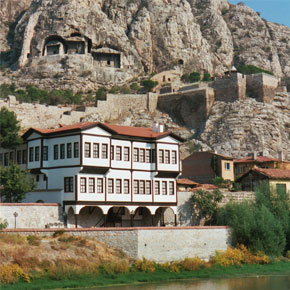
(259, 159)
(274, 173)
(80, 125)
(186, 181)
(135, 131)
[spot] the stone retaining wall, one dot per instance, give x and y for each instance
(158, 244)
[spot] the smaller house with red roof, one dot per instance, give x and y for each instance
(278, 179)
(245, 164)
(102, 174)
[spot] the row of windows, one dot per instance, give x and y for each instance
(167, 156)
(95, 153)
(8, 157)
(144, 155)
(60, 151)
(120, 186)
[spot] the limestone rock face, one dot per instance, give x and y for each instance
(148, 36)
(248, 126)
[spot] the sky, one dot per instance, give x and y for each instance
(272, 10)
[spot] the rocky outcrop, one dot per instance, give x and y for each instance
(153, 35)
(247, 126)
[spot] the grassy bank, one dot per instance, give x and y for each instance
(64, 261)
(215, 272)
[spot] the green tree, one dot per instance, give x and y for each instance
(206, 77)
(251, 69)
(15, 183)
(194, 77)
(101, 94)
(9, 129)
(205, 204)
(149, 85)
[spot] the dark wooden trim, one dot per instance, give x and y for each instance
(156, 157)
(81, 150)
(57, 167)
(105, 189)
(76, 187)
(152, 188)
(41, 153)
(131, 185)
(96, 203)
(110, 154)
(179, 169)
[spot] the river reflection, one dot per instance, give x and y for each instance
(252, 283)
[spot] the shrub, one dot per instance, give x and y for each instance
(194, 77)
(33, 240)
(206, 77)
(134, 87)
(149, 85)
(12, 239)
(68, 239)
(254, 226)
(170, 267)
(12, 273)
(58, 233)
(115, 267)
(251, 69)
(101, 94)
(3, 224)
(192, 264)
(144, 265)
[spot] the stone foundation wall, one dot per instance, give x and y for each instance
(31, 215)
(158, 244)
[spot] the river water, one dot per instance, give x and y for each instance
(250, 283)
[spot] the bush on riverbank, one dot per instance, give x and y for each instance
(72, 258)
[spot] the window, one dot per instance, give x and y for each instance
(1, 159)
(164, 187)
(174, 157)
(281, 188)
(157, 187)
(171, 187)
(37, 153)
(227, 166)
(37, 178)
(126, 154)
(68, 184)
(142, 155)
(62, 151)
(142, 187)
(18, 157)
(147, 156)
(76, 150)
(136, 154)
(110, 185)
(136, 187)
(119, 186)
(96, 153)
(104, 151)
(126, 186)
(100, 188)
(68, 150)
(24, 156)
(112, 152)
(153, 156)
(87, 150)
(167, 156)
(118, 153)
(11, 157)
(83, 185)
(45, 153)
(55, 152)
(148, 187)
(31, 152)
(161, 156)
(91, 185)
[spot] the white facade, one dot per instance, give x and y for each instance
(93, 165)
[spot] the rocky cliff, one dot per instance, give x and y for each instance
(151, 35)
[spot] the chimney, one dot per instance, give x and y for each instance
(155, 127)
(253, 155)
(280, 155)
(261, 153)
(161, 128)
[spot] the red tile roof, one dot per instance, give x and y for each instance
(274, 173)
(115, 129)
(135, 131)
(80, 125)
(186, 181)
(259, 159)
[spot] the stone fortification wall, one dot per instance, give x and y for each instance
(190, 107)
(44, 116)
(116, 105)
(158, 244)
(31, 215)
(262, 87)
(230, 89)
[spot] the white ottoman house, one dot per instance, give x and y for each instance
(102, 174)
